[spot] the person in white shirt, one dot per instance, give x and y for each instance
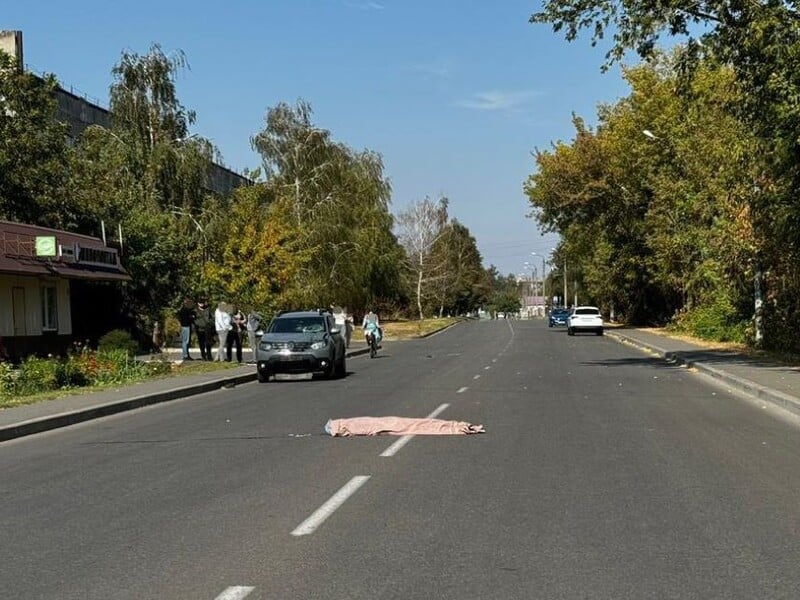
(222, 323)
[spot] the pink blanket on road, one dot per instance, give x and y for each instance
(399, 426)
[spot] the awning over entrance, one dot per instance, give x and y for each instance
(32, 250)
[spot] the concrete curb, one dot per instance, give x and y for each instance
(431, 333)
(756, 390)
(64, 419)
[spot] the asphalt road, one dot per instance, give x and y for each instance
(603, 474)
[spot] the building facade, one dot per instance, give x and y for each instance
(48, 278)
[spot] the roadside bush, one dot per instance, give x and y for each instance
(36, 375)
(8, 376)
(82, 367)
(69, 372)
(118, 339)
(114, 366)
(716, 321)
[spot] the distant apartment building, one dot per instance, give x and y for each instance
(79, 113)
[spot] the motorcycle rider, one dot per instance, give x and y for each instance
(371, 326)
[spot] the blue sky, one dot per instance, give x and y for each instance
(454, 94)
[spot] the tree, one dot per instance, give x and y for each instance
(146, 177)
(34, 155)
(337, 201)
(657, 225)
(760, 42)
(421, 226)
(153, 126)
(256, 257)
(459, 289)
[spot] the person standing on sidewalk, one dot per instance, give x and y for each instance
(222, 324)
(238, 325)
(348, 327)
(186, 319)
(254, 320)
(204, 327)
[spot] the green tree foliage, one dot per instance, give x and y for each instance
(256, 257)
(34, 155)
(654, 223)
(150, 122)
(502, 292)
(460, 288)
(336, 200)
(146, 178)
(760, 43)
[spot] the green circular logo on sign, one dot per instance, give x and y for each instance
(45, 245)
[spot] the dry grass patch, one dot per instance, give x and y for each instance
(408, 330)
(711, 345)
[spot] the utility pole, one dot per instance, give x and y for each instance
(565, 283)
(758, 312)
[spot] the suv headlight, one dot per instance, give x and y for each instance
(318, 345)
(265, 346)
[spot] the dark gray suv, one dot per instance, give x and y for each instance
(301, 342)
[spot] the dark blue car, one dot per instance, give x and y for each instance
(558, 317)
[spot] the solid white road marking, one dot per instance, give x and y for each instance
(462, 390)
(392, 450)
(236, 592)
(326, 510)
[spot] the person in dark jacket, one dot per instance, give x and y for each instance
(186, 319)
(204, 328)
(238, 327)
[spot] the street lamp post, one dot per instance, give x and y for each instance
(532, 286)
(544, 280)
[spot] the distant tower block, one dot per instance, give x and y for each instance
(11, 43)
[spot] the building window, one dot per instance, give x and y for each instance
(49, 308)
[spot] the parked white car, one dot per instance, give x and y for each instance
(585, 318)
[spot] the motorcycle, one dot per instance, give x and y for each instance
(373, 335)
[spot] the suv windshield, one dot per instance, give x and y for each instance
(298, 325)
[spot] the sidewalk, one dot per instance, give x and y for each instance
(770, 381)
(28, 419)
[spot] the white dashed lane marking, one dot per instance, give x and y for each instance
(326, 510)
(462, 390)
(392, 450)
(476, 377)
(236, 592)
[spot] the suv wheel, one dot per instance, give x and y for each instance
(263, 376)
(341, 367)
(331, 371)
